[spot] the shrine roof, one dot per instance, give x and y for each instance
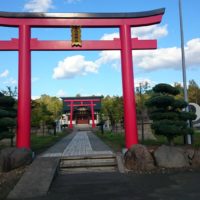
(66, 105)
(83, 15)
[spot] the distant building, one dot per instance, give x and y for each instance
(81, 110)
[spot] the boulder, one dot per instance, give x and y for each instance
(11, 158)
(196, 159)
(189, 152)
(138, 158)
(5, 158)
(170, 157)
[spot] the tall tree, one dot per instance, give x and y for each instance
(194, 92)
(7, 117)
(141, 96)
(45, 110)
(112, 109)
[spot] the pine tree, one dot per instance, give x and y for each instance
(7, 117)
(167, 112)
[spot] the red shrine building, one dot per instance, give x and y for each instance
(81, 110)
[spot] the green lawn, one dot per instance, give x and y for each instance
(117, 140)
(41, 143)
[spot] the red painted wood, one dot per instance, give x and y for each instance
(71, 115)
(9, 45)
(38, 45)
(25, 44)
(130, 120)
(24, 89)
(81, 100)
(53, 22)
(92, 112)
(82, 105)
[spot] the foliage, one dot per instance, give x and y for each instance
(7, 116)
(193, 92)
(10, 92)
(45, 110)
(112, 109)
(40, 143)
(141, 96)
(167, 113)
(115, 141)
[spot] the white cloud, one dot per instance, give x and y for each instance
(74, 66)
(169, 57)
(158, 59)
(108, 57)
(35, 97)
(149, 32)
(148, 60)
(61, 93)
(193, 52)
(109, 36)
(138, 81)
(38, 5)
(4, 74)
(144, 32)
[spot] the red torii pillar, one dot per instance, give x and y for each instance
(125, 44)
(92, 113)
(24, 88)
(71, 114)
(130, 118)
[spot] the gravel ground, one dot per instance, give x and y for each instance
(8, 181)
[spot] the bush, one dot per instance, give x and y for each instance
(7, 116)
(167, 113)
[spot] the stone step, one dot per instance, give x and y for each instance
(93, 163)
(88, 169)
(92, 156)
(88, 162)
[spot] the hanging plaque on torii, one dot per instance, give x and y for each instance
(25, 44)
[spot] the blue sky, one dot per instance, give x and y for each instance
(69, 73)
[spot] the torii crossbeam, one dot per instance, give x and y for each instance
(25, 44)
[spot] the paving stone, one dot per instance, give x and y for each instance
(37, 179)
(80, 145)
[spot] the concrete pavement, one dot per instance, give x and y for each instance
(38, 177)
(38, 184)
(116, 186)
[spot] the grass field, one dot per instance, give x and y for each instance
(117, 140)
(39, 143)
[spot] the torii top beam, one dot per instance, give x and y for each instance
(81, 19)
(16, 19)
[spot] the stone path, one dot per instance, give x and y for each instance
(39, 176)
(81, 146)
(98, 186)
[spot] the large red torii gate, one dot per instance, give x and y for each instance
(25, 44)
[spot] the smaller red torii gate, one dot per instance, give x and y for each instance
(89, 102)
